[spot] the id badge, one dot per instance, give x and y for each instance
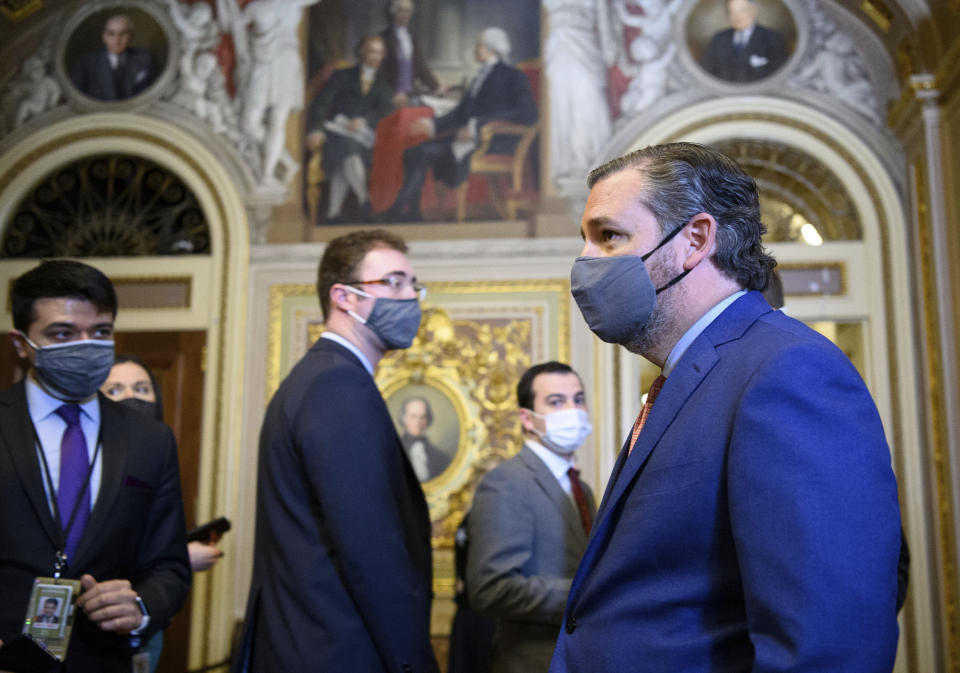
(50, 613)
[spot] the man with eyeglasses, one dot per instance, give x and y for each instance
(342, 568)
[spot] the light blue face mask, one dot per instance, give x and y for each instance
(74, 370)
(394, 321)
(615, 294)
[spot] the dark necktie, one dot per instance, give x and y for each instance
(645, 410)
(119, 81)
(74, 466)
(581, 498)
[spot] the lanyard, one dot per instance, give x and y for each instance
(60, 561)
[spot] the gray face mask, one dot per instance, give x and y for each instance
(75, 370)
(615, 294)
(394, 321)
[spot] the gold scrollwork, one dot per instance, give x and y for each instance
(475, 364)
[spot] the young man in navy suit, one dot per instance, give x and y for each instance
(87, 486)
(751, 521)
(342, 575)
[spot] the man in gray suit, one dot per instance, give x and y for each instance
(529, 522)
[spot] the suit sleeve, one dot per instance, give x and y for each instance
(163, 568)
(814, 512)
(501, 544)
(354, 463)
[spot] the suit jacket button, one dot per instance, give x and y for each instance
(571, 624)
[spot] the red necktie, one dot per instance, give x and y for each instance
(73, 493)
(581, 498)
(645, 411)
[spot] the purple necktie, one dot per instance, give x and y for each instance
(74, 466)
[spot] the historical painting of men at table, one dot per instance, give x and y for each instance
(741, 41)
(421, 110)
(115, 53)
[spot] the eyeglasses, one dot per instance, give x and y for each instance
(396, 283)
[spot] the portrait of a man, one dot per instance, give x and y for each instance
(746, 51)
(116, 70)
(416, 416)
(48, 617)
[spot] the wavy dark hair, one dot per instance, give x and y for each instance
(683, 179)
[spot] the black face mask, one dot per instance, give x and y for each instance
(144, 407)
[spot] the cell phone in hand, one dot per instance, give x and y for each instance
(209, 532)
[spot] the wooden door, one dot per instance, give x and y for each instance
(177, 360)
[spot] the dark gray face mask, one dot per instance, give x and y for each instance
(615, 294)
(394, 321)
(75, 370)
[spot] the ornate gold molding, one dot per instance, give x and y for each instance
(938, 443)
(17, 10)
(878, 12)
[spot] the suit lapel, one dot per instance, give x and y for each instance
(19, 440)
(113, 457)
(699, 359)
(552, 489)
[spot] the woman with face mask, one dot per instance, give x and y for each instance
(131, 383)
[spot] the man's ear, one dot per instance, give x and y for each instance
(699, 238)
(526, 419)
(19, 343)
(340, 297)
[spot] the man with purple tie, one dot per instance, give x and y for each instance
(90, 488)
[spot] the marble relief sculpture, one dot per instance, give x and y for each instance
(580, 121)
(270, 78)
(35, 90)
(648, 54)
(835, 67)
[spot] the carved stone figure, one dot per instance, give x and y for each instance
(580, 120)
(270, 81)
(35, 91)
(650, 81)
(837, 70)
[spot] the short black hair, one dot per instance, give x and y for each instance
(121, 358)
(343, 256)
(525, 386)
(60, 278)
(55, 602)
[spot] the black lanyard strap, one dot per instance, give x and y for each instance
(61, 557)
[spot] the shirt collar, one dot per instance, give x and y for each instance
(350, 347)
(688, 337)
(558, 465)
(42, 404)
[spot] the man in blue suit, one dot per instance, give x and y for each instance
(342, 568)
(498, 92)
(751, 521)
